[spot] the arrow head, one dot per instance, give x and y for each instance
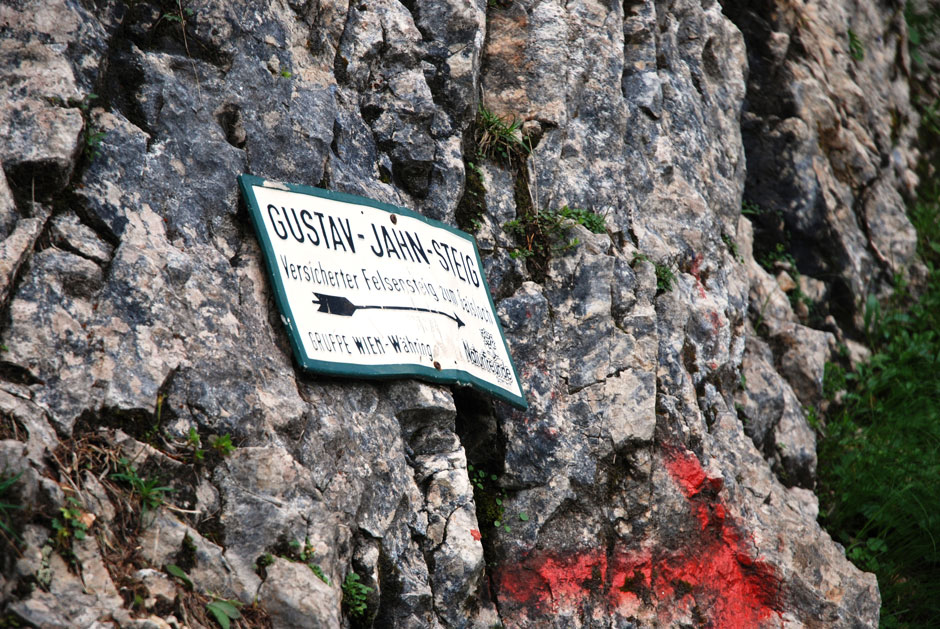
(460, 323)
(334, 304)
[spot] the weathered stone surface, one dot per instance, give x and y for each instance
(49, 55)
(15, 249)
(43, 143)
(160, 587)
(773, 417)
(828, 133)
(68, 602)
(646, 485)
(165, 538)
(802, 354)
(295, 597)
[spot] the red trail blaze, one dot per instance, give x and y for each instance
(711, 575)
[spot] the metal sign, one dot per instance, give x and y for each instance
(367, 289)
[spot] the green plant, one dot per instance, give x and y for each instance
(478, 477)
(856, 49)
(222, 445)
(6, 517)
(317, 570)
(489, 499)
(93, 141)
(865, 556)
(71, 525)
(155, 430)
(930, 118)
(301, 550)
(286, 73)
(149, 491)
(778, 254)
(92, 137)
(797, 296)
(174, 570)
(545, 233)
(265, 560)
(84, 104)
(833, 380)
(44, 573)
(732, 247)
(812, 417)
(303, 553)
(499, 520)
(355, 595)
(178, 17)
(224, 611)
(593, 221)
(665, 277)
(923, 25)
(879, 459)
(749, 208)
(499, 139)
(195, 442)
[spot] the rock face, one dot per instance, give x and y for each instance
(662, 474)
(827, 129)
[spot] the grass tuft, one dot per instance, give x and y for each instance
(500, 139)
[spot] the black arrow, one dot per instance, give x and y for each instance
(334, 304)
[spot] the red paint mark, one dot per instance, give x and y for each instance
(715, 320)
(475, 534)
(687, 472)
(548, 582)
(710, 572)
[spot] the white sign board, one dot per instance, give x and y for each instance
(367, 289)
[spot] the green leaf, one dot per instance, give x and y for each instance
(178, 572)
(317, 570)
(524, 517)
(220, 616)
(223, 611)
(228, 608)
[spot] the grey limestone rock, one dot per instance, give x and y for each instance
(643, 486)
(827, 134)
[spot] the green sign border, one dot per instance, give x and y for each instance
(444, 376)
